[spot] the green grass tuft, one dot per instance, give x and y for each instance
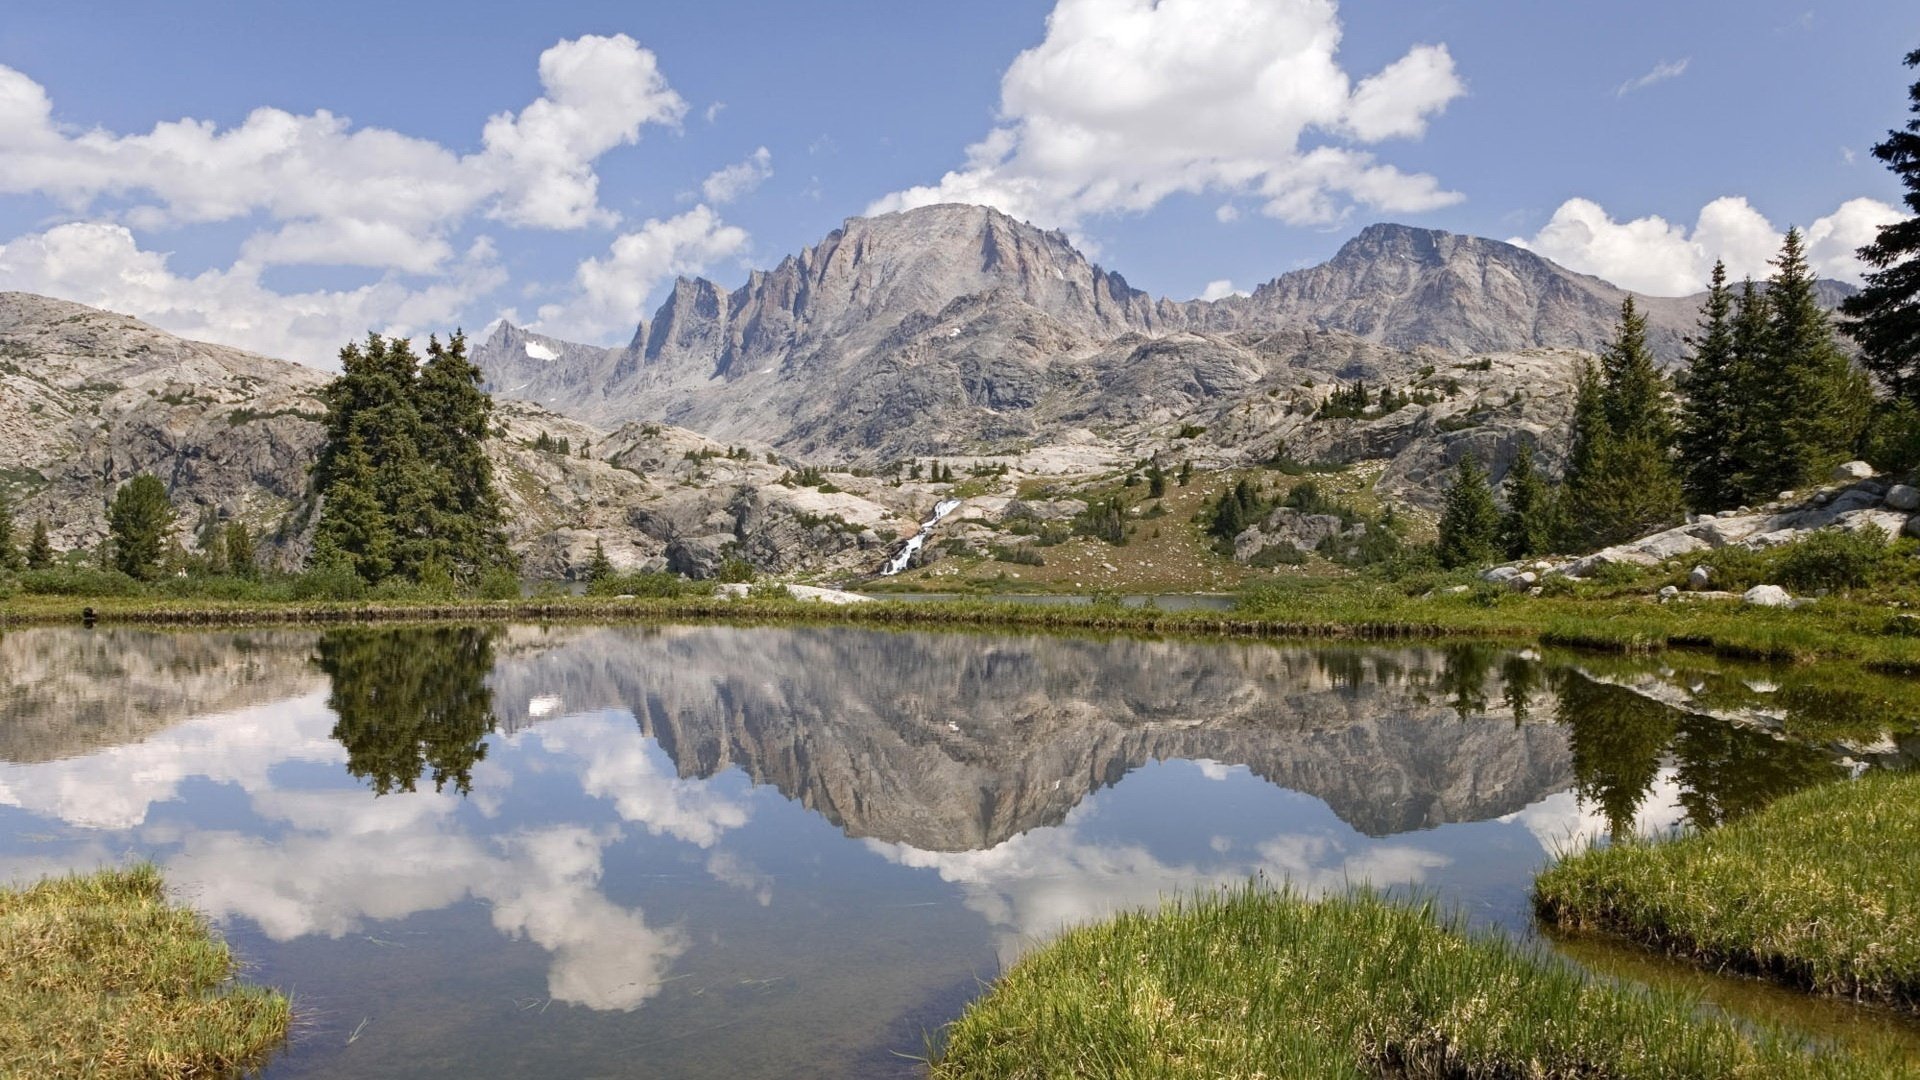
(1257, 983)
(1820, 891)
(101, 977)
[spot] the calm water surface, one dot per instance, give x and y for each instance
(754, 852)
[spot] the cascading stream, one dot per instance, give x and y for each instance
(899, 562)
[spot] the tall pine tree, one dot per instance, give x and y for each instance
(1811, 405)
(1469, 521)
(1712, 413)
(1885, 314)
(40, 548)
(9, 551)
(1527, 528)
(1620, 480)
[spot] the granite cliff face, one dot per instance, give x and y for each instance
(957, 330)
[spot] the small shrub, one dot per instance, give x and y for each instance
(328, 583)
(1279, 554)
(500, 585)
(78, 581)
(1834, 559)
(735, 570)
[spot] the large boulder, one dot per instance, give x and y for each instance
(1851, 471)
(699, 557)
(1904, 497)
(1767, 596)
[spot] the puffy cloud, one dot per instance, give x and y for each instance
(739, 179)
(1666, 69)
(1662, 258)
(1220, 290)
(1127, 102)
(354, 195)
(609, 293)
(619, 764)
(102, 265)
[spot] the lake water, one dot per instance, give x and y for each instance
(763, 852)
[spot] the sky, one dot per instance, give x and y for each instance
(287, 177)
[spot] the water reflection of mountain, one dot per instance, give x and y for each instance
(952, 742)
(70, 691)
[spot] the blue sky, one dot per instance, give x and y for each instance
(422, 165)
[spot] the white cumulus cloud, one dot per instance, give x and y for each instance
(740, 178)
(1127, 102)
(609, 293)
(1662, 258)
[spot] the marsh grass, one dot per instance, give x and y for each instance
(101, 977)
(1820, 891)
(1256, 983)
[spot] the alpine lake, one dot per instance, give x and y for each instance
(727, 851)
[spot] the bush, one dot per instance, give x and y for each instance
(78, 581)
(1834, 559)
(333, 582)
(1277, 554)
(499, 584)
(1019, 555)
(735, 570)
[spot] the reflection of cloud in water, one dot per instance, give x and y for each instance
(1042, 881)
(1564, 822)
(730, 869)
(114, 788)
(354, 859)
(620, 764)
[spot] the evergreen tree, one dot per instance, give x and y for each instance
(599, 568)
(1752, 338)
(1527, 528)
(1156, 481)
(1239, 507)
(404, 483)
(212, 540)
(1469, 522)
(1186, 473)
(240, 551)
(1814, 405)
(9, 552)
(140, 522)
(1620, 479)
(1713, 413)
(1885, 314)
(40, 548)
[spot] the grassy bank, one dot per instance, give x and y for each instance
(1820, 891)
(1864, 632)
(101, 977)
(1258, 983)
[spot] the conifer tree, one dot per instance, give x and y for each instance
(599, 568)
(353, 532)
(1813, 404)
(40, 548)
(140, 522)
(1620, 481)
(1752, 347)
(9, 552)
(1469, 522)
(1713, 412)
(1885, 314)
(1527, 528)
(239, 550)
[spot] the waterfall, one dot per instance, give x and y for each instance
(899, 562)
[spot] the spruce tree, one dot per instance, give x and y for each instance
(1752, 349)
(1621, 482)
(140, 522)
(40, 548)
(1469, 522)
(1713, 412)
(599, 568)
(9, 552)
(1527, 528)
(1816, 406)
(240, 551)
(1885, 314)
(353, 533)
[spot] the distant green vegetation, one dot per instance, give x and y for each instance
(1259, 983)
(101, 977)
(1819, 890)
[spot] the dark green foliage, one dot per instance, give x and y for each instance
(1892, 439)
(1103, 519)
(1712, 415)
(1469, 522)
(10, 558)
(1238, 508)
(1834, 559)
(1620, 480)
(1156, 481)
(1017, 554)
(1186, 473)
(1281, 553)
(140, 521)
(410, 702)
(1617, 737)
(1810, 404)
(547, 444)
(240, 551)
(78, 581)
(599, 567)
(1190, 431)
(40, 548)
(1527, 527)
(404, 482)
(1885, 314)
(735, 570)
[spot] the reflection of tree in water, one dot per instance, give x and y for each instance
(1464, 678)
(410, 701)
(1727, 771)
(1520, 680)
(1617, 737)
